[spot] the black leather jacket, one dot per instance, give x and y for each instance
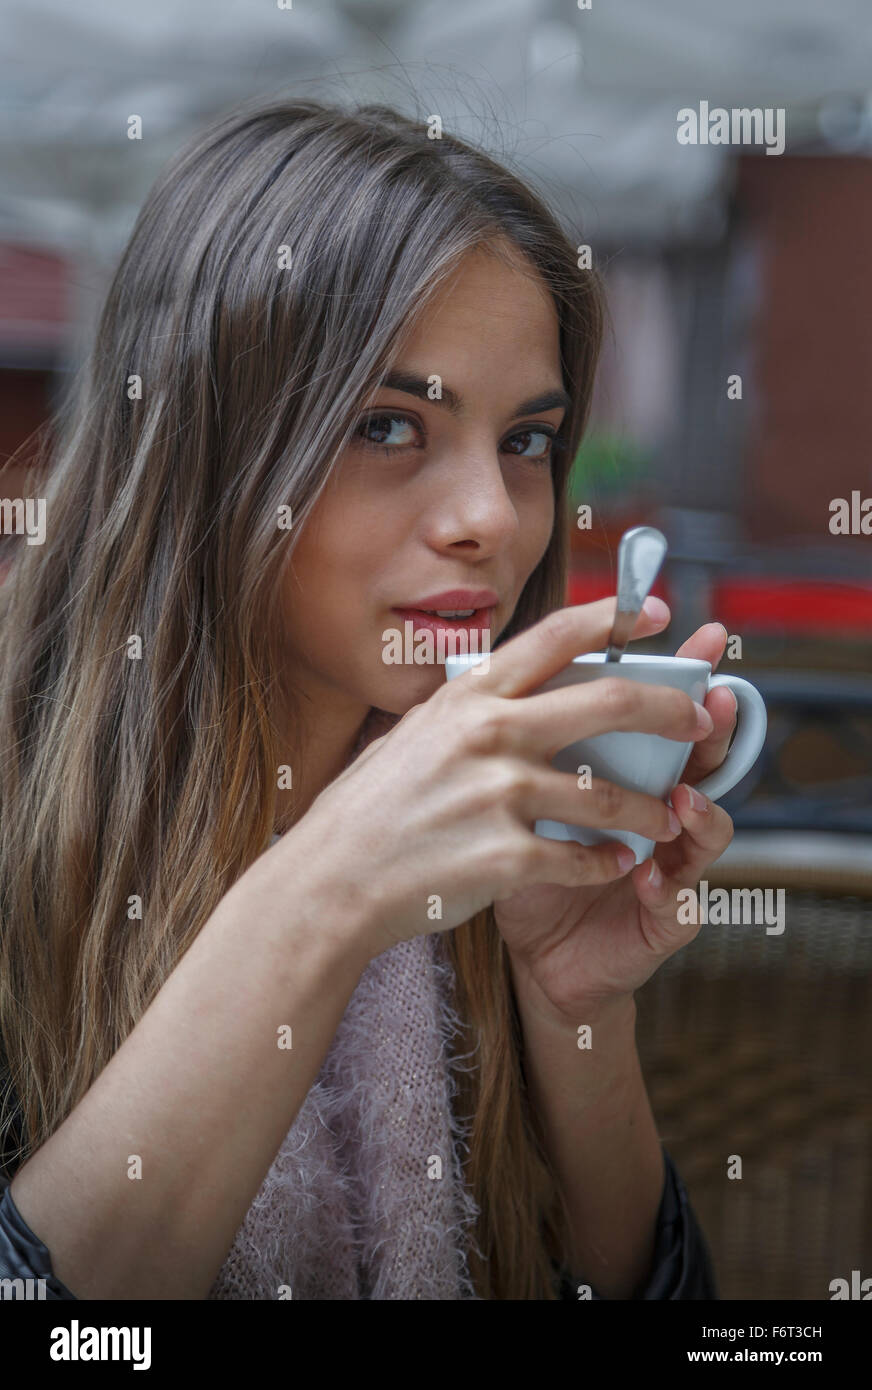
(681, 1267)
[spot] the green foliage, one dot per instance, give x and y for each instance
(607, 464)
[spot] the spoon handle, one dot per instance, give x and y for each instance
(640, 555)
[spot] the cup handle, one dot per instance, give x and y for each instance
(750, 737)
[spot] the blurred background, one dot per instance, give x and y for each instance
(721, 262)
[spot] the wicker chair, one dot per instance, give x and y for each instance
(759, 1045)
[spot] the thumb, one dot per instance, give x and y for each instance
(667, 921)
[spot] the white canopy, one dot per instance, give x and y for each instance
(586, 100)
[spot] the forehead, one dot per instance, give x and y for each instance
(487, 306)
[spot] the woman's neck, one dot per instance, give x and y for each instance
(327, 737)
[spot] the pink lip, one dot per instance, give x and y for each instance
(480, 620)
(453, 599)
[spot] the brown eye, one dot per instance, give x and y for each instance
(540, 443)
(379, 431)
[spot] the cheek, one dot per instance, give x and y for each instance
(311, 577)
(334, 566)
(536, 514)
(326, 545)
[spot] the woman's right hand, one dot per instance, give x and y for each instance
(434, 820)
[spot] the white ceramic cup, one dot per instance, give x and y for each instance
(639, 761)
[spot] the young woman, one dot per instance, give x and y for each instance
(341, 374)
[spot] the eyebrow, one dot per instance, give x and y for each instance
(415, 385)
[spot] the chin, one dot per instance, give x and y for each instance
(407, 690)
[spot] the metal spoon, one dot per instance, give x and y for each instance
(640, 555)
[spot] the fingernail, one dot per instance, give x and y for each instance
(655, 878)
(704, 721)
(626, 859)
(697, 800)
(674, 822)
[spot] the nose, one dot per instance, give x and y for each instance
(474, 505)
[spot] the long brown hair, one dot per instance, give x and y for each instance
(256, 306)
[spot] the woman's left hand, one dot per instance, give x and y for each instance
(574, 948)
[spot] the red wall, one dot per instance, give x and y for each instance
(812, 381)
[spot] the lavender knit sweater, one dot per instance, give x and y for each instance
(365, 1198)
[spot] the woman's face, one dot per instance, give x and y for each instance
(433, 495)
